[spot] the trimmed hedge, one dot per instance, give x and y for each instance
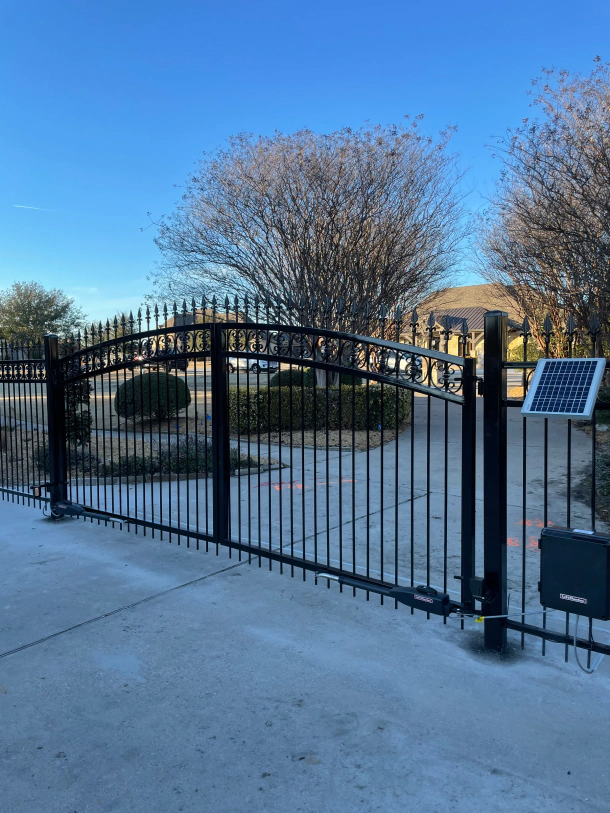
(306, 377)
(152, 395)
(296, 377)
(268, 409)
(79, 459)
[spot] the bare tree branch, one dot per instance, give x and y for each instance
(368, 215)
(547, 233)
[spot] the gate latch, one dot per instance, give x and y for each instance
(478, 588)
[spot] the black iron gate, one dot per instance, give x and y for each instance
(256, 429)
(330, 443)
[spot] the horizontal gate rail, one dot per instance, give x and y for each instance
(349, 353)
(376, 359)
(557, 637)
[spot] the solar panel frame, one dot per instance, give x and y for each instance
(564, 388)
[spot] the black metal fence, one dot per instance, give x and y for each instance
(538, 472)
(23, 416)
(331, 441)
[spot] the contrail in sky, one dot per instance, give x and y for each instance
(38, 208)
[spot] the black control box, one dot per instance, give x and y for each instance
(575, 571)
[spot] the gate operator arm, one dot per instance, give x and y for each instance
(67, 508)
(421, 597)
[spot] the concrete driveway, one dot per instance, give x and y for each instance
(245, 690)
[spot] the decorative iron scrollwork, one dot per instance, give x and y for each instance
(352, 353)
(25, 371)
(135, 348)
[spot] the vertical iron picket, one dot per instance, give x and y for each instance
(468, 491)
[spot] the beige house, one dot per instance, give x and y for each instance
(470, 303)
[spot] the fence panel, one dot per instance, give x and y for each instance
(23, 418)
(139, 435)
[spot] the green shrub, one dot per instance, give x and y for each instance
(78, 417)
(152, 395)
(306, 377)
(309, 377)
(533, 352)
(268, 409)
(79, 460)
(193, 455)
(187, 454)
(40, 458)
(602, 416)
(129, 466)
(288, 378)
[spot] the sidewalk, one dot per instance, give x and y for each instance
(250, 691)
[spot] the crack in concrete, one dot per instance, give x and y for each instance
(119, 610)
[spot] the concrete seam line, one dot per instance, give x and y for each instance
(120, 609)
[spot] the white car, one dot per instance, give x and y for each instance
(255, 366)
(409, 364)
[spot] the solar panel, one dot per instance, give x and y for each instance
(565, 388)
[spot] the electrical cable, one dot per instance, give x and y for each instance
(506, 615)
(599, 658)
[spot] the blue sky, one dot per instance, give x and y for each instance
(105, 106)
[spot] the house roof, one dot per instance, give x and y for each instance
(191, 317)
(489, 297)
(474, 316)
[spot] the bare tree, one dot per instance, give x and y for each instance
(369, 215)
(546, 235)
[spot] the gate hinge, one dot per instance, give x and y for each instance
(38, 489)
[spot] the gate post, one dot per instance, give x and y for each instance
(469, 486)
(56, 422)
(495, 478)
(221, 472)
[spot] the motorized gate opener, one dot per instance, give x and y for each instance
(67, 508)
(422, 597)
(575, 571)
